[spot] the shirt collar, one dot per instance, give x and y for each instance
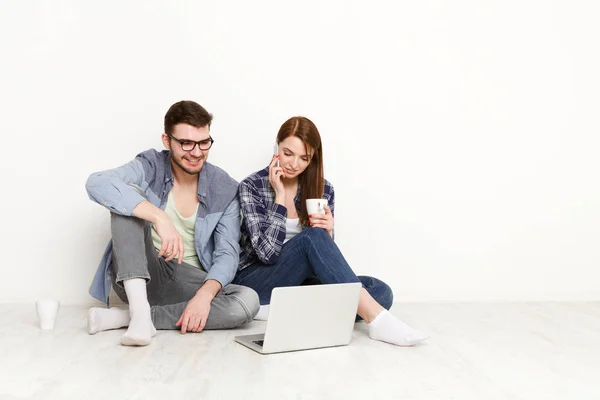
(204, 177)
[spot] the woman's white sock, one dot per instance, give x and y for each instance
(387, 328)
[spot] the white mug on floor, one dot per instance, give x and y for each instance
(316, 206)
(47, 311)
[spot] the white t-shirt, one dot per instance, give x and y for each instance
(292, 228)
(186, 228)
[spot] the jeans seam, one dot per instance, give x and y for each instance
(152, 312)
(371, 282)
(329, 269)
(185, 283)
(244, 307)
(175, 278)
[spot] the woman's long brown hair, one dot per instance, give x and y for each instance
(311, 181)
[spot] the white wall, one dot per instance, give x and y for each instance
(461, 136)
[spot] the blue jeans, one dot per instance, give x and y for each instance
(310, 257)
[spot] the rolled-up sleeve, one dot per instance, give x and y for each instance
(265, 226)
(113, 188)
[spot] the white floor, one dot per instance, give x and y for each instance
(476, 351)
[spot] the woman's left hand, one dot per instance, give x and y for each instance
(324, 221)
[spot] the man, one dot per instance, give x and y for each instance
(175, 224)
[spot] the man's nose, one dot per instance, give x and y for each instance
(196, 152)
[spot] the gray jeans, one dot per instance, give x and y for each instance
(171, 285)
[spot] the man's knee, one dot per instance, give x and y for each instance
(246, 305)
(129, 231)
(126, 223)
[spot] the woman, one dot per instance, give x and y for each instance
(284, 246)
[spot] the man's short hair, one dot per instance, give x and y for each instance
(187, 112)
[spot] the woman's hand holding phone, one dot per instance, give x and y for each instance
(276, 175)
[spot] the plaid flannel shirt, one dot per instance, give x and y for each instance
(263, 221)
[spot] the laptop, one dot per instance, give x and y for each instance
(307, 317)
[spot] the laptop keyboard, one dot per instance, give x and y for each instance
(259, 342)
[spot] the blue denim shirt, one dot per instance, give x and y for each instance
(217, 228)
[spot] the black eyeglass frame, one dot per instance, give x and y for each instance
(181, 142)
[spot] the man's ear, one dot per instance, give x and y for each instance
(166, 141)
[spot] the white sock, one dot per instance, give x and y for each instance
(141, 329)
(103, 319)
(387, 328)
(263, 313)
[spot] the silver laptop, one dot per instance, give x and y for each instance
(307, 317)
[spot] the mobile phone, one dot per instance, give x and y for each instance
(276, 153)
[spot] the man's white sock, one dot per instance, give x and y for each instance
(103, 319)
(387, 328)
(141, 330)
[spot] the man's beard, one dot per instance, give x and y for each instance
(186, 169)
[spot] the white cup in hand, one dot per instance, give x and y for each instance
(315, 206)
(47, 311)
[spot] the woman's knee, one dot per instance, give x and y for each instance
(316, 232)
(387, 295)
(315, 237)
(379, 290)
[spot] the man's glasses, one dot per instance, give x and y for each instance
(189, 145)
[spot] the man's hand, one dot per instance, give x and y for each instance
(172, 244)
(195, 314)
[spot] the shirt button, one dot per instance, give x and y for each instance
(124, 210)
(108, 278)
(104, 203)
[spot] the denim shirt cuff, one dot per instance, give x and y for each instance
(219, 277)
(128, 202)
